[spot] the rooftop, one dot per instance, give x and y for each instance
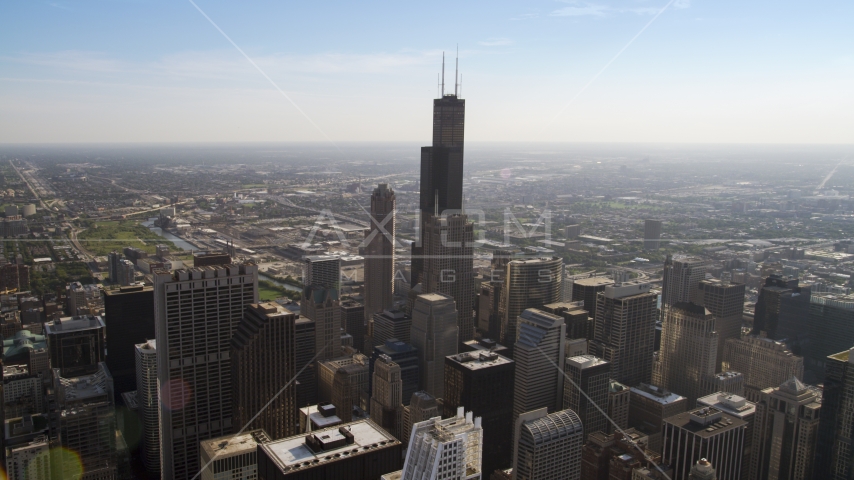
(229, 445)
(479, 360)
(729, 403)
(71, 324)
(295, 453)
(706, 422)
(586, 361)
(658, 394)
(594, 281)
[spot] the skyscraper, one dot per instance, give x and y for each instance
(422, 406)
(196, 312)
(688, 350)
(76, 344)
(353, 321)
(681, 281)
(589, 375)
(449, 448)
(304, 333)
(263, 361)
(528, 283)
(619, 399)
(704, 432)
(379, 252)
(442, 261)
(726, 302)
(387, 396)
(649, 406)
(763, 362)
(651, 234)
(391, 324)
(624, 331)
(320, 304)
(146, 394)
(406, 357)
(785, 432)
(482, 382)
(777, 297)
(702, 470)
(547, 445)
(322, 270)
(740, 407)
(434, 335)
(85, 424)
(831, 328)
(834, 451)
(129, 320)
(540, 358)
(586, 289)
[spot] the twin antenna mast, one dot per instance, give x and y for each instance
(458, 79)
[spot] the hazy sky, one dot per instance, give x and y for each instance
(158, 71)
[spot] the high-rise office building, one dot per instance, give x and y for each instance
(263, 361)
(448, 265)
(387, 396)
(726, 302)
(232, 457)
(322, 270)
(435, 336)
(704, 432)
(422, 406)
(619, 399)
(528, 283)
(379, 252)
(125, 273)
(77, 345)
(353, 322)
(344, 383)
(681, 281)
(196, 312)
(651, 234)
(303, 353)
(391, 324)
(785, 432)
(649, 405)
(129, 320)
(781, 308)
(579, 322)
(763, 362)
(835, 443)
(586, 289)
(358, 450)
(85, 423)
(624, 331)
(547, 445)
(149, 403)
(615, 456)
(113, 265)
(729, 382)
(406, 357)
(739, 407)
(540, 358)
(449, 448)
(442, 260)
(489, 320)
(831, 328)
(587, 374)
(689, 346)
(481, 381)
(321, 305)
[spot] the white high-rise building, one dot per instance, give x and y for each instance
(681, 281)
(547, 446)
(196, 311)
(445, 449)
(146, 394)
(540, 359)
(435, 334)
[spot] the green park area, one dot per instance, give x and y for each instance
(269, 291)
(102, 238)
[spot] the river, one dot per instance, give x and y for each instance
(168, 236)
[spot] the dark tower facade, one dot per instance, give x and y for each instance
(129, 317)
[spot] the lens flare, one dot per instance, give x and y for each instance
(175, 394)
(69, 461)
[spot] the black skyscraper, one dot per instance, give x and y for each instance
(129, 316)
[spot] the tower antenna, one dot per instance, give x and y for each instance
(457, 73)
(443, 75)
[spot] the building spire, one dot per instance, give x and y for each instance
(457, 73)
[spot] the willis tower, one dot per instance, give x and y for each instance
(442, 260)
